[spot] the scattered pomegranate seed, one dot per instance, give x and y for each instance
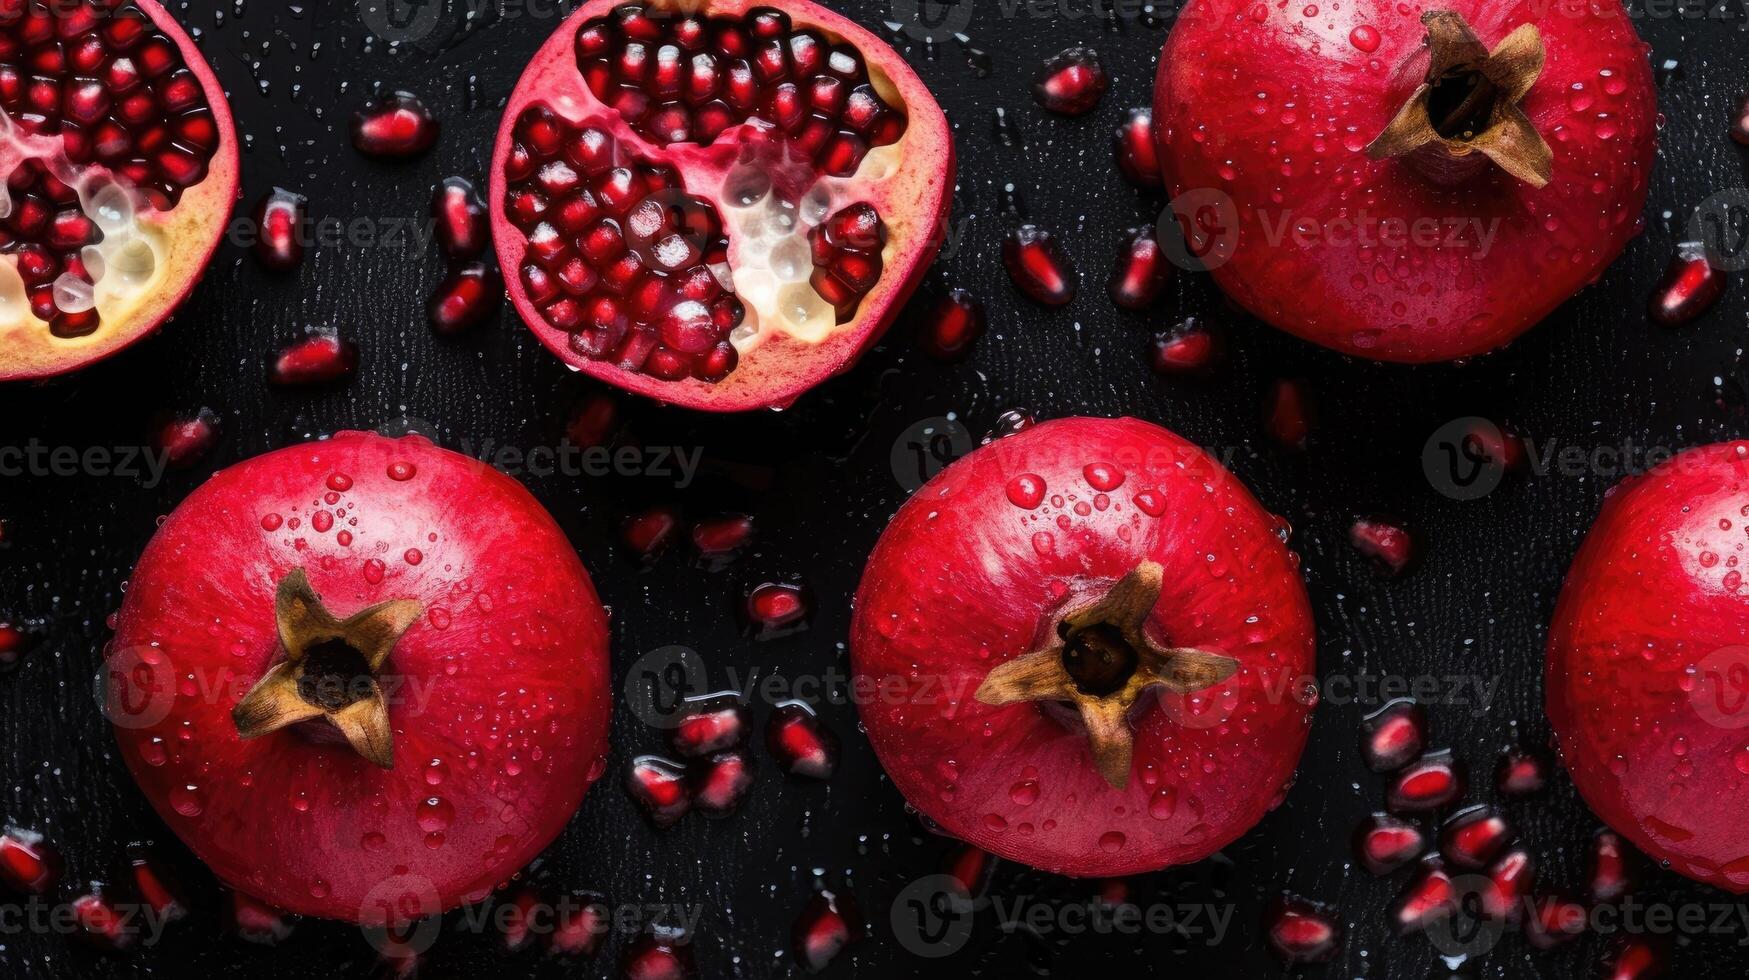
(580, 924)
(1690, 288)
(1432, 782)
(153, 889)
(1392, 736)
(1386, 543)
(1555, 921)
(1635, 958)
(1609, 869)
(1473, 837)
(1740, 122)
(515, 921)
(1510, 880)
(16, 639)
(828, 924)
(1287, 416)
(99, 922)
(1113, 893)
(1070, 82)
(973, 867)
(648, 534)
(320, 358)
(1428, 898)
(953, 326)
(258, 922)
(394, 128)
(714, 724)
(659, 786)
(460, 218)
(279, 229)
(1138, 156)
(185, 439)
(656, 957)
(1141, 272)
(1191, 347)
(722, 784)
(28, 862)
(1038, 266)
(1007, 424)
(1301, 931)
(1520, 772)
(801, 745)
(592, 420)
(1385, 843)
(723, 538)
(467, 297)
(1496, 445)
(777, 608)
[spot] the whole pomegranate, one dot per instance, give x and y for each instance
(1401, 180)
(1082, 646)
(120, 165)
(717, 205)
(365, 678)
(1647, 662)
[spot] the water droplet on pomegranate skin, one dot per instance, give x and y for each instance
(1692, 284)
(1555, 920)
(1740, 122)
(28, 862)
(1383, 843)
(280, 230)
(648, 534)
(460, 218)
(1287, 414)
(396, 127)
(1426, 899)
(776, 609)
(1635, 958)
(1609, 873)
(1364, 38)
(185, 801)
(469, 296)
(660, 787)
(1520, 773)
(401, 471)
(321, 357)
(1138, 155)
(798, 741)
(1103, 477)
(952, 327)
(1392, 736)
(1385, 543)
(711, 724)
(1026, 491)
(721, 782)
(1008, 423)
(1070, 82)
(1430, 783)
(1300, 931)
(1473, 837)
(827, 924)
(1190, 347)
(1037, 264)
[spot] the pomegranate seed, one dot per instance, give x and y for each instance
(582, 920)
(656, 957)
(973, 868)
(1495, 445)
(394, 128)
(777, 608)
(1141, 272)
(801, 745)
(1740, 122)
(460, 218)
(1473, 837)
(184, 440)
(258, 922)
(279, 230)
(1301, 931)
(1138, 156)
(320, 358)
(1609, 870)
(28, 862)
(1038, 266)
(1428, 898)
(15, 641)
(1392, 736)
(1555, 921)
(1692, 284)
(722, 539)
(1510, 880)
(1520, 772)
(1385, 843)
(99, 922)
(515, 922)
(467, 297)
(1386, 543)
(722, 784)
(153, 889)
(713, 724)
(1191, 347)
(659, 786)
(1635, 957)
(1432, 782)
(1070, 82)
(953, 326)
(648, 534)
(828, 923)
(1287, 416)
(592, 421)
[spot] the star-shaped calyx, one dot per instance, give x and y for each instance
(1468, 104)
(1100, 660)
(328, 670)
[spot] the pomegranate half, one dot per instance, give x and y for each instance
(365, 678)
(718, 205)
(1083, 647)
(120, 167)
(1406, 181)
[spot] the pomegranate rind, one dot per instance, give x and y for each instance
(777, 368)
(190, 232)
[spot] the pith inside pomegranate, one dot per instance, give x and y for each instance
(717, 206)
(120, 167)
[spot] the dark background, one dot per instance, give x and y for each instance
(819, 482)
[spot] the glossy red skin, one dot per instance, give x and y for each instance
(510, 664)
(1416, 303)
(1650, 612)
(955, 587)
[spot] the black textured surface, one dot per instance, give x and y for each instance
(820, 483)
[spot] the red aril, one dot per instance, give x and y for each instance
(1394, 735)
(1141, 272)
(1432, 782)
(1740, 122)
(100, 922)
(721, 783)
(1070, 82)
(1190, 347)
(1302, 932)
(1555, 920)
(1635, 958)
(16, 640)
(828, 923)
(952, 326)
(659, 786)
(1510, 880)
(1376, 212)
(361, 661)
(256, 921)
(719, 540)
(396, 127)
(592, 420)
(649, 533)
(1384, 843)
(28, 862)
(466, 298)
(1287, 413)
(709, 726)
(1692, 284)
(152, 888)
(775, 609)
(1385, 543)
(1039, 267)
(1473, 837)
(321, 357)
(800, 744)
(120, 169)
(184, 439)
(516, 930)
(460, 219)
(1609, 868)
(1138, 156)
(1426, 899)
(582, 919)
(718, 208)
(658, 955)
(279, 229)
(1520, 772)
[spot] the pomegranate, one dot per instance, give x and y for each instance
(120, 165)
(718, 208)
(1646, 660)
(363, 678)
(1086, 636)
(1406, 181)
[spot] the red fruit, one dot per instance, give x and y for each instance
(185, 439)
(800, 744)
(397, 127)
(1099, 601)
(28, 862)
(1141, 272)
(322, 357)
(156, 175)
(1070, 82)
(1432, 782)
(375, 641)
(1394, 735)
(1386, 543)
(828, 923)
(1554, 921)
(257, 922)
(1473, 837)
(1609, 871)
(1302, 932)
(466, 298)
(659, 786)
(1428, 898)
(776, 609)
(720, 540)
(1038, 265)
(460, 218)
(722, 782)
(1646, 662)
(1385, 843)
(1138, 156)
(279, 229)
(756, 189)
(1287, 415)
(1476, 225)
(953, 326)
(1191, 347)
(1520, 772)
(1740, 122)
(710, 726)
(1691, 286)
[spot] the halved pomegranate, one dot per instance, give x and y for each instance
(717, 205)
(120, 168)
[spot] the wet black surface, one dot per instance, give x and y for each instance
(821, 482)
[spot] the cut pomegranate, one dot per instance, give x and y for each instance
(322, 357)
(1138, 156)
(460, 218)
(1385, 843)
(722, 783)
(120, 165)
(1691, 285)
(1385, 542)
(1302, 932)
(466, 298)
(1392, 736)
(1473, 837)
(397, 127)
(1520, 772)
(720, 208)
(279, 229)
(953, 326)
(1070, 82)
(1609, 868)
(185, 439)
(828, 923)
(1039, 267)
(1190, 347)
(1141, 272)
(801, 745)
(659, 786)
(1432, 782)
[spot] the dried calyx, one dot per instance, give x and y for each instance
(1467, 110)
(1100, 661)
(326, 678)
